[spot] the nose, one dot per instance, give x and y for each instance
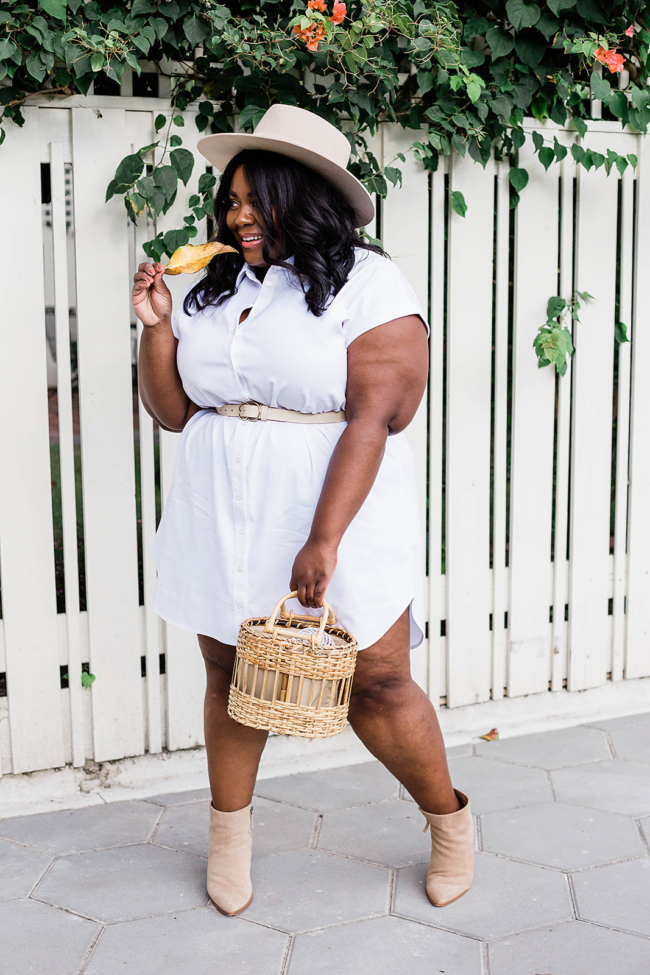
(246, 216)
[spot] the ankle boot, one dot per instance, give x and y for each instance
(451, 868)
(229, 859)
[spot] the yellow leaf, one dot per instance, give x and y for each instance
(194, 257)
(491, 735)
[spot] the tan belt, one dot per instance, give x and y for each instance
(256, 411)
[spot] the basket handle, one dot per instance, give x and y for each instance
(328, 613)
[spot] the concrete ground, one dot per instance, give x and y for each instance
(562, 874)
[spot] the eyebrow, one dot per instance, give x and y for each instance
(232, 193)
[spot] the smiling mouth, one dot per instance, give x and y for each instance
(251, 240)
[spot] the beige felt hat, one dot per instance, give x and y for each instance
(303, 136)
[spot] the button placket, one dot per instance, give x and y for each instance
(238, 473)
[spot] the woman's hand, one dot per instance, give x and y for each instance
(152, 300)
(312, 573)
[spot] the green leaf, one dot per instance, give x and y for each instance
(195, 30)
(426, 81)
(600, 87)
(160, 122)
(176, 140)
(518, 178)
(250, 116)
(206, 182)
(166, 178)
(501, 43)
(621, 164)
(538, 141)
(521, 14)
(530, 50)
(458, 204)
(55, 8)
(578, 153)
(580, 125)
(87, 679)
(632, 159)
(555, 306)
(7, 48)
(36, 68)
(97, 61)
(640, 96)
(592, 11)
(598, 159)
(179, 121)
(393, 175)
(502, 105)
(560, 150)
(620, 332)
(183, 162)
(174, 239)
(129, 169)
(546, 157)
(558, 5)
(518, 137)
(473, 91)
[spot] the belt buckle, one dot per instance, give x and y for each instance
(251, 418)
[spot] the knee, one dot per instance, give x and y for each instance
(380, 694)
(219, 663)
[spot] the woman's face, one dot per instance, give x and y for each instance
(244, 219)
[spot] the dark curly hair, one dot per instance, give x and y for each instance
(313, 224)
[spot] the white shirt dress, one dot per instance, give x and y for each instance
(244, 492)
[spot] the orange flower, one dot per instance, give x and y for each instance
(338, 15)
(310, 35)
(317, 5)
(613, 60)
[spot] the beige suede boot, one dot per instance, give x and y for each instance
(451, 868)
(229, 859)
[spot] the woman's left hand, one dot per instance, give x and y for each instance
(312, 573)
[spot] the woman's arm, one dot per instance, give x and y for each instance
(160, 385)
(387, 375)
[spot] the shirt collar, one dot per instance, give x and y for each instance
(247, 271)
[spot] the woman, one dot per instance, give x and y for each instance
(310, 321)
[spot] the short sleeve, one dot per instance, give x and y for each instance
(376, 292)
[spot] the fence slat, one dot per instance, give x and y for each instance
(407, 242)
(623, 427)
(106, 411)
(66, 452)
(533, 418)
(563, 458)
(468, 435)
(589, 623)
(26, 530)
(499, 490)
(637, 656)
(437, 611)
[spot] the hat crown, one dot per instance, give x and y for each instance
(289, 123)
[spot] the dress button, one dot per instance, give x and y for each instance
(241, 531)
(239, 606)
(237, 459)
(239, 568)
(237, 497)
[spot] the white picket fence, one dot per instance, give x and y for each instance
(527, 462)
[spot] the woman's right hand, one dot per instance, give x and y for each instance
(152, 300)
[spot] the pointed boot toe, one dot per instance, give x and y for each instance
(229, 860)
(451, 868)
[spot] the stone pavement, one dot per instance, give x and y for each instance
(562, 877)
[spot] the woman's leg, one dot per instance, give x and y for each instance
(396, 721)
(233, 750)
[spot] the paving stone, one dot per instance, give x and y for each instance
(611, 724)
(200, 942)
(180, 798)
(616, 895)
(121, 885)
(559, 835)
(311, 889)
(337, 788)
(570, 949)
(492, 786)
(632, 743)
(276, 828)
(78, 830)
(645, 826)
(20, 870)
(39, 939)
(388, 832)
(384, 946)
(549, 749)
(505, 897)
(460, 751)
(613, 785)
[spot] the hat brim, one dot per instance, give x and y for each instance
(219, 149)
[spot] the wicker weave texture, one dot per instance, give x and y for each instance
(289, 685)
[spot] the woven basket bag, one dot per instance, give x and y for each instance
(292, 677)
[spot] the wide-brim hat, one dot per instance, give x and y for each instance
(302, 136)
